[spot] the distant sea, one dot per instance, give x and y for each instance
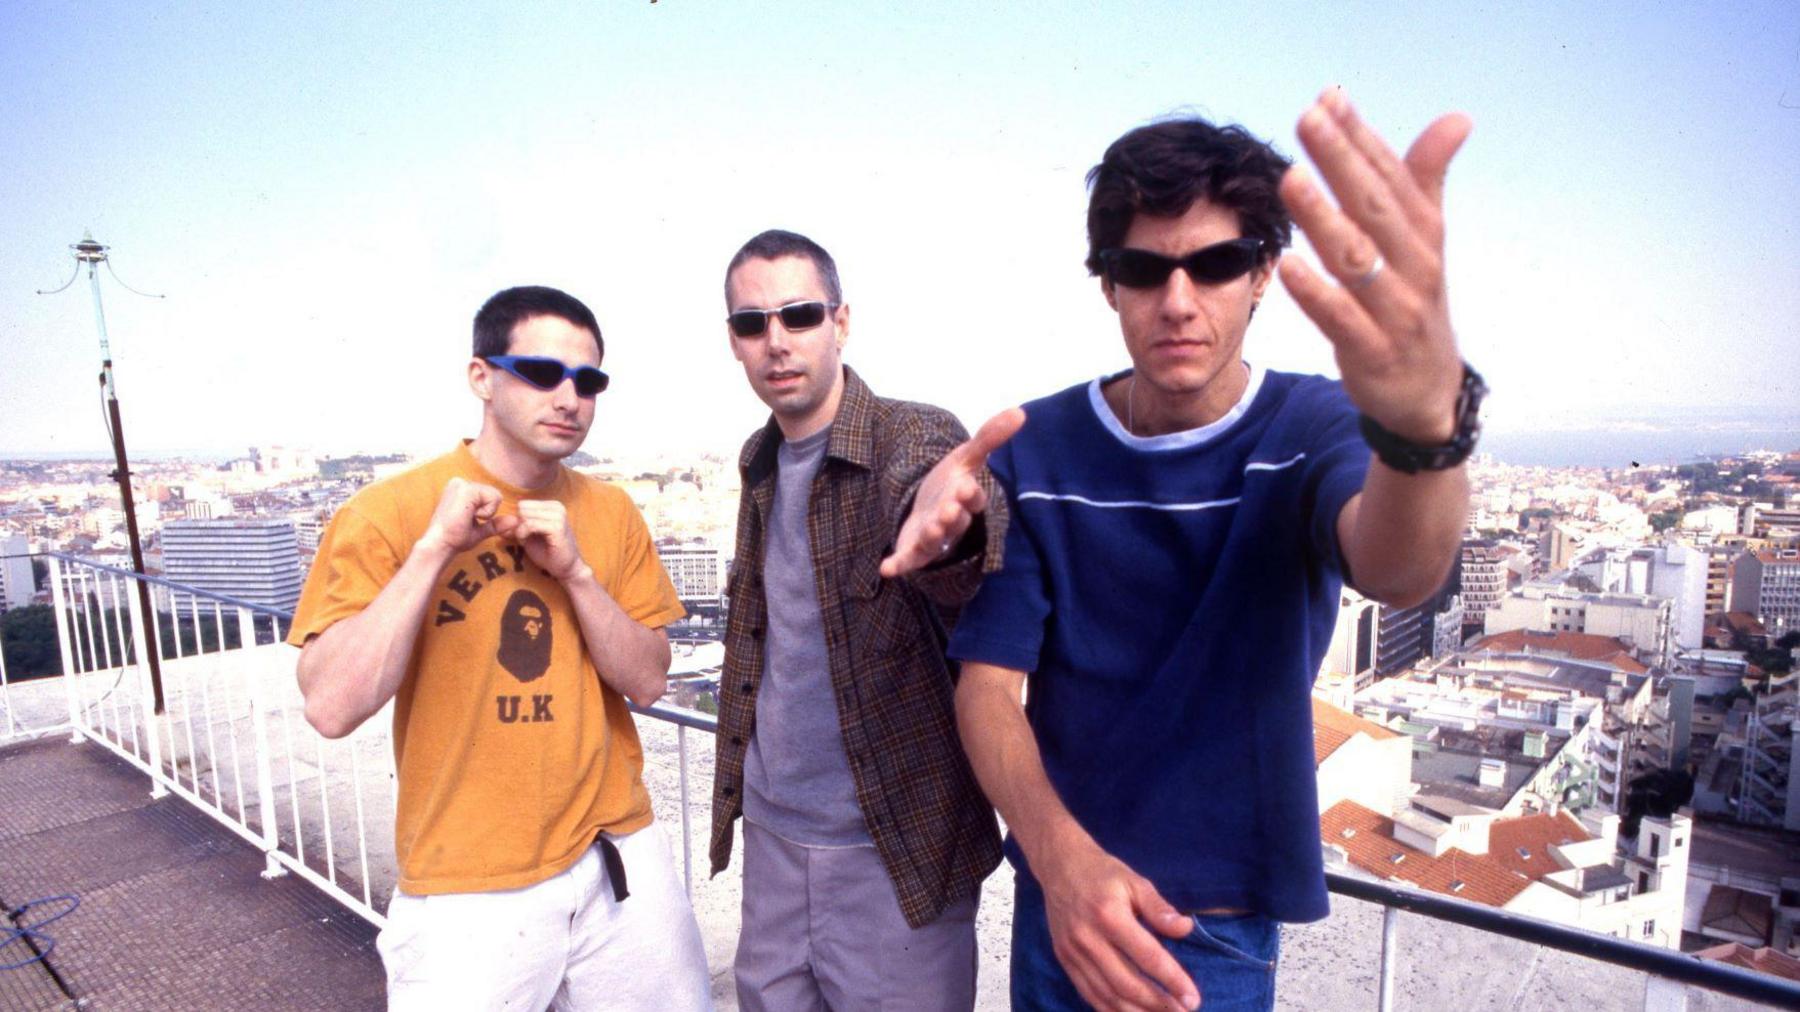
(1606, 447)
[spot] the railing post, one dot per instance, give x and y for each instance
(61, 608)
(259, 734)
(147, 688)
(687, 847)
(1390, 932)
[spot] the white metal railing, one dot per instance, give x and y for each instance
(231, 739)
(27, 710)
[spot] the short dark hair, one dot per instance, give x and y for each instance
(1161, 168)
(495, 321)
(776, 243)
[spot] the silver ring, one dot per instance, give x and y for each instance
(1367, 277)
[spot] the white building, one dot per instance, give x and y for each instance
(1484, 578)
(1766, 584)
(1548, 865)
(308, 529)
(1710, 522)
(698, 573)
(1643, 622)
(255, 560)
(1353, 640)
(16, 582)
(1673, 570)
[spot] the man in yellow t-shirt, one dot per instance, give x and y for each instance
(509, 607)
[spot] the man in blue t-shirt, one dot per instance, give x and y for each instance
(1180, 533)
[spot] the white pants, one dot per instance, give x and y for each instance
(563, 943)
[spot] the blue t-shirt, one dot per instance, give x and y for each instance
(1171, 598)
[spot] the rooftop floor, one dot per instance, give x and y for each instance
(173, 914)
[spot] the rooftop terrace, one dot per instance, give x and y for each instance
(226, 857)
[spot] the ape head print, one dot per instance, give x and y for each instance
(525, 631)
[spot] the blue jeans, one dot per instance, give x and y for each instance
(1230, 956)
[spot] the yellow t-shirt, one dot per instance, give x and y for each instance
(512, 753)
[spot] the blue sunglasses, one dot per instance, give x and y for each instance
(548, 373)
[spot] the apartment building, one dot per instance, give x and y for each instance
(17, 585)
(698, 573)
(251, 559)
(1766, 583)
(1484, 580)
(1645, 623)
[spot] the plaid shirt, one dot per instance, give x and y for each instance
(932, 826)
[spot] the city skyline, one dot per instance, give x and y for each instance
(325, 196)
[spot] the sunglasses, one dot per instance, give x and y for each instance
(1215, 264)
(548, 373)
(794, 316)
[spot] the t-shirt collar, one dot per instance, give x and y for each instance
(471, 468)
(1171, 440)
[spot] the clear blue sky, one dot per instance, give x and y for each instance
(328, 191)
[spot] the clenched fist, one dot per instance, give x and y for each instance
(542, 527)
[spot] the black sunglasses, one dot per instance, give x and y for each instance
(1215, 264)
(548, 373)
(794, 316)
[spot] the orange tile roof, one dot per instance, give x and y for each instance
(1534, 834)
(1371, 847)
(1763, 960)
(1326, 740)
(1580, 646)
(1333, 727)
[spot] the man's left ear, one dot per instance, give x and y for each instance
(1260, 279)
(842, 318)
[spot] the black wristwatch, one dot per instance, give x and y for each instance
(1408, 457)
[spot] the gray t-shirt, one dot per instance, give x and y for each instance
(797, 781)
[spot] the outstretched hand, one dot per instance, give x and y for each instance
(1388, 317)
(949, 498)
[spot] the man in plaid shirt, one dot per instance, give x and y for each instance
(865, 836)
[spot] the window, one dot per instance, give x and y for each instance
(1650, 929)
(1655, 846)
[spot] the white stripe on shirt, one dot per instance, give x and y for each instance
(1129, 503)
(1257, 465)
(1177, 506)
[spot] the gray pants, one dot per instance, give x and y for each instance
(823, 929)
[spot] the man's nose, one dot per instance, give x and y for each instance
(564, 397)
(778, 336)
(1180, 295)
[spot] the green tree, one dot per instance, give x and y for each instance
(1660, 522)
(28, 636)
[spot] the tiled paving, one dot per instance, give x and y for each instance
(173, 914)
